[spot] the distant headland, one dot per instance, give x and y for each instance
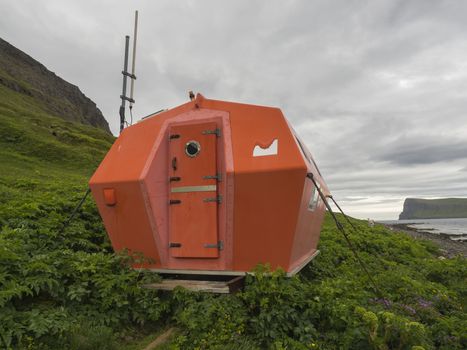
(443, 208)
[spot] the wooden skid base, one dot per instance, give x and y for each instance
(218, 287)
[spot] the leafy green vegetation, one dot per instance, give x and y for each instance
(63, 288)
(60, 287)
(330, 304)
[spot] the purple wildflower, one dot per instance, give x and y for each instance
(409, 308)
(424, 303)
(384, 301)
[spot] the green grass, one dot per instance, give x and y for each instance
(43, 157)
(63, 288)
(58, 285)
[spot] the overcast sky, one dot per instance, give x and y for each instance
(377, 89)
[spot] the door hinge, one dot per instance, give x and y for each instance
(174, 136)
(174, 178)
(175, 201)
(219, 245)
(217, 199)
(174, 245)
(218, 177)
(216, 132)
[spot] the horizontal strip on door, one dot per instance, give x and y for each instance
(194, 189)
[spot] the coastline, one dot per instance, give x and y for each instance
(448, 247)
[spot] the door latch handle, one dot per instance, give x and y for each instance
(219, 245)
(216, 132)
(217, 199)
(218, 177)
(174, 163)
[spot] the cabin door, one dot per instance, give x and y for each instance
(193, 197)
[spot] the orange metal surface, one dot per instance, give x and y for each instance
(126, 221)
(192, 218)
(267, 188)
(155, 188)
(264, 215)
(309, 219)
(109, 196)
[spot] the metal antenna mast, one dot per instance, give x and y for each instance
(123, 95)
(135, 37)
(132, 76)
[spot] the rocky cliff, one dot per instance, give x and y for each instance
(444, 208)
(25, 75)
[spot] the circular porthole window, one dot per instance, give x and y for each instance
(192, 148)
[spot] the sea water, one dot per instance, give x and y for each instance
(456, 229)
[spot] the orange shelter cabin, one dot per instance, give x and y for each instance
(211, 188)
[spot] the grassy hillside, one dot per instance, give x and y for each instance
(442, 208)
(22, 73)
(41, 154)
(62, 288)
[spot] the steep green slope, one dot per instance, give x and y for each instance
(60, 287)
(41, 154)
(21, 73)
(442, 208)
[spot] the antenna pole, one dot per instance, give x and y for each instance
(135, 37)
(123, 96)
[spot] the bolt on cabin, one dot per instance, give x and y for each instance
(211, 187)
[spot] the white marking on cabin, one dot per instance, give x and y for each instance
(259, 151)
(314, 198)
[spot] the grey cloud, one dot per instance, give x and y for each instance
(423, 150)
